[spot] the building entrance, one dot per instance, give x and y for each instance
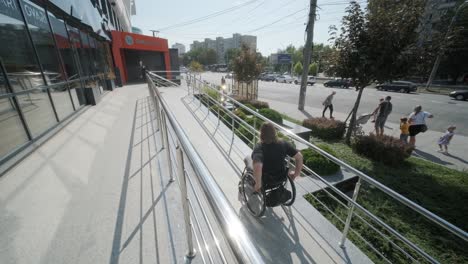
(135, 60)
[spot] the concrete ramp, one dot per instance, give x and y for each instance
(297, 234)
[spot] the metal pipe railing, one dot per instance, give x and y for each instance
(352, 203)
(239, 240)
(429, 215)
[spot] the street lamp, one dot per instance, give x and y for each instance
(154, 31)
(442, 49)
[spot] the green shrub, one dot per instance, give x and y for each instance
(245, 111)
(255, 103)
(254, 122)
(227, 119)
(386, 149)
(245, 135)
(212, 93)
(327, 129)
(318, 163)
(272, 115)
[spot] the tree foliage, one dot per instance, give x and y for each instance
(376, 44)
(247, 65)
(203, 56)
(195, 66)
(298, 68)
(313, 69)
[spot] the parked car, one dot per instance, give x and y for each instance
(310, 80)
(269, 78)
(398, 86)
(459, 95)
(284, 79)
(343, 83)
(230, 75)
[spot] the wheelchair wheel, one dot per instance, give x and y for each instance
(290, 186)
(255, 201)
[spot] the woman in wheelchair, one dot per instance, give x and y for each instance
(266, 180)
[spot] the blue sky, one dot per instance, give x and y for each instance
(254, 18)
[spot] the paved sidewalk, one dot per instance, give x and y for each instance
(426, 143)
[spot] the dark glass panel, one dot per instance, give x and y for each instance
(44, 42)
(22, 68)
(12, 132)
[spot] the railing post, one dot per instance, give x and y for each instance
(255, 131)
(165, 130)
(183, 192)
(350, 214)
(232, 128)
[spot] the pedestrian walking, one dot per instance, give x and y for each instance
(328, 104)
(417, 121)
(404, 128)
(383, 111)
(445, 139)
(223, 81)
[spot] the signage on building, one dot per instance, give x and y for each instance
(136, 41)
(129, 40)
(284, 58)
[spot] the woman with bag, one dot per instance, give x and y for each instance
(417, 121)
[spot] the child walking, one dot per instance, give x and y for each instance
(445, 139)
(404, 128)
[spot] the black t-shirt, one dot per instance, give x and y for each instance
(385, 109)
(273, 157)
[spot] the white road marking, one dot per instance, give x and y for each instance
(437, 102)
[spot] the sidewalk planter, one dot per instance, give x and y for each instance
(326, 129)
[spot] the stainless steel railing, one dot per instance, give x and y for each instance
(234, 232)
(214, 103)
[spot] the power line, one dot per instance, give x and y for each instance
(276, 21)
(215, 14)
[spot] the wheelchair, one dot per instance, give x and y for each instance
(256, 202)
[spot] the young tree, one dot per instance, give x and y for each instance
(246, 66)
(353, 61)
(298, 68)
(195, 66)
(313, 68)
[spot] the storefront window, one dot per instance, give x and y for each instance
(23, 70)
(64, 46)
(43, 41)
(84, 54)
(12, 132)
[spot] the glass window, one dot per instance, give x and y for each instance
(65, 47)
(84, 54)
(43, 41)
(104, 7)
(12, 132)
(22, 68)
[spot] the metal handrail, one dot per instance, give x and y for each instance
(238, 238)
(352, 203)
(429, 215)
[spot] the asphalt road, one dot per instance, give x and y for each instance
(446, 111)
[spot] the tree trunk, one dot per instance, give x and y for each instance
(352, 122)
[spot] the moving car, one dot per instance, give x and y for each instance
(310, 80)
(398, 86)
(284, 79)
(459, 95)
(338, 83)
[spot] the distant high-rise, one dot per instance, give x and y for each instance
(221, 45)
(180, 48)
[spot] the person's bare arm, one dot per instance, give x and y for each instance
(298, 165)
(257, 173)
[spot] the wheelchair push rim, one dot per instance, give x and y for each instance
(292, 188)
(255, 201)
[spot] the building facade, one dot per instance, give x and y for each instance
(180, 48)
(221, 45)
(55, 58)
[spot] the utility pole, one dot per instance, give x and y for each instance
(154, 31)
(307, 53)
